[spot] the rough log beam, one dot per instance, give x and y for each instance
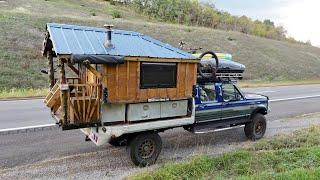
(94, 71)
(74, 69)
(64, 92)
(51, 69)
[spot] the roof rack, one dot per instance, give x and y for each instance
(220, 77)
(223, 75)
(229, 75)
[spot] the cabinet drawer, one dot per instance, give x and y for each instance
(174, 108)
(113, 112)
(143, 111)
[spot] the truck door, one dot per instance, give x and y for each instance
(233, 105)
(209, 109)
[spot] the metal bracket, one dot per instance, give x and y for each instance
(105, 95)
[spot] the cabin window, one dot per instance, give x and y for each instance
(158, 75)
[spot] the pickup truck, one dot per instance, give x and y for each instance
(215, 106)
(224, 105)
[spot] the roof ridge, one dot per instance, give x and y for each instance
(97, 29)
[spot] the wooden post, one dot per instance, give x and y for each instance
(51, 69)
(64, 93)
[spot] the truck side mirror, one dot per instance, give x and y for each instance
(194, 91)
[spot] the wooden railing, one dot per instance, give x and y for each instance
(84, 102)
(70, 80)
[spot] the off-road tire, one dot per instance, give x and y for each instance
(144, 149)
(214, 69)
(256, 129)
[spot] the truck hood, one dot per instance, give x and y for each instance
(252, 96)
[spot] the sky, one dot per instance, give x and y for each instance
(299, 17)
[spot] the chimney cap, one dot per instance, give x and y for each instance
(108, 26)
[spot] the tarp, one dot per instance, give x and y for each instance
(225, 66)
(97, 59)
(220, 56)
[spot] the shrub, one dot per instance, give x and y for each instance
(116, 14)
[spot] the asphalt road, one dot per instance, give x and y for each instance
(283, 92)
(24, 113)
(61, 154)
(290, 101)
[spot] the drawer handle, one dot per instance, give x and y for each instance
(174, 105)
(146, 107)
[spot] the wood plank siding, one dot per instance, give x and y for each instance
(123, 83)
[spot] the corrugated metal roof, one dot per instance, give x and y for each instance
(71, 39)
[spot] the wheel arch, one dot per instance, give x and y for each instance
(260, 110)
(129, 136)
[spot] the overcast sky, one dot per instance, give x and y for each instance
(301, 18)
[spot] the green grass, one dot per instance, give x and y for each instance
(20, 93)
(294, 156)
(22, 25)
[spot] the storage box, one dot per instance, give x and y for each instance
(143, 111)
(174, 108)
(156, 110)
(113, 113)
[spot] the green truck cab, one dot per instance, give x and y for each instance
(223, 105)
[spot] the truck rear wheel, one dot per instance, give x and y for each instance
(256, 129)
(144, 149)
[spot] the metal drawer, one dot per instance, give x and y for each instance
(143, 111)
(113, 112)
(174, 108)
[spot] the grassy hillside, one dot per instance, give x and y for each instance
(22, 27)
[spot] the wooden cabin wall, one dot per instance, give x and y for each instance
(123, 83)
(83, 74)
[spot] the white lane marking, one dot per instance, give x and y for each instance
(261, 92)
(27, 127)
(294, 98)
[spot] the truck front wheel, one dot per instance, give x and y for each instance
(256, 129)
(144, 149)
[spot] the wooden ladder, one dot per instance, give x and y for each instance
(53, 98)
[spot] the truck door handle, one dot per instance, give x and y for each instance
(144, 116)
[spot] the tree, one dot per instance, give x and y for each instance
(191, 12)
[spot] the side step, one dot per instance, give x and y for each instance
(220, 125)
(217, 130)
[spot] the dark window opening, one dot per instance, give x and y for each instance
(158, 75)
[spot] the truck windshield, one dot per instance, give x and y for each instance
(207, 93)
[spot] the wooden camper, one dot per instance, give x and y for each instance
(123, 82)
(110, 66)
